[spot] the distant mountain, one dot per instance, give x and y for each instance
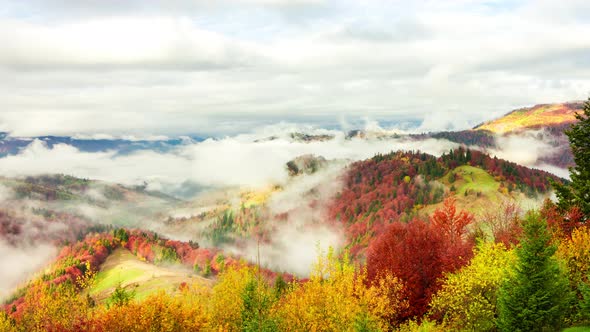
(62, 208)
(10, 145)
(539, 116)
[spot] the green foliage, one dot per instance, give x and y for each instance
(363, 322)
(258, 301)
(280, 286)
(121, 234)
(222, 227)
(207, 270)
(577, 193)
(536, 296)
(120, 297)
(165, 255)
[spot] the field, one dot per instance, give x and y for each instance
(122, 267)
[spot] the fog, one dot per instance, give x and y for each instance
(247, 161)
(243, 160)
(18, 263)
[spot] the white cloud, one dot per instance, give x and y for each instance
(232, 161)
(19, 263)
(104, 67)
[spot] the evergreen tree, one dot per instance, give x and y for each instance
(536, 296)
(578, 192)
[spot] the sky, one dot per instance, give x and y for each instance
(175, 67)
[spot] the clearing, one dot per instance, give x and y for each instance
(122, 267)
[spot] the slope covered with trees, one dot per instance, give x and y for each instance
(393, 187)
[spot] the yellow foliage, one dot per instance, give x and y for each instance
(424, 326)
(467, 299)
(337, 297)
(226, 303)
(50, 307)
(575, 253)
(158, 312)
(6, 324)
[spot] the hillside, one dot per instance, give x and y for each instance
(401, 185)
(61, 208)
(538, 116)
(124, 269)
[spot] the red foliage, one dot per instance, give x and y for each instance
(449, 222)
(419, 253)
(562, 224)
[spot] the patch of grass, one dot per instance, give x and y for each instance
(474, 180)
(110, 278)
(125, 269)
(578, 329)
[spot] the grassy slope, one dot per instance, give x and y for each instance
(125, 268)
(470, 180)
(536, 116)
(482, 192)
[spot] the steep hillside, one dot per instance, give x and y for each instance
(399, 185)
(538, 116)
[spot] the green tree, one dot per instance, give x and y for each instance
(577, 193)
(120, 297)
(536, 296)
(258, 300)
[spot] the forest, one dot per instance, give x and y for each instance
(401, 268)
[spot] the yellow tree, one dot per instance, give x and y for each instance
(338, 297)
(467, 300)
(575, 253)
(158, 312)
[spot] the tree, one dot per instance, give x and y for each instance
(535, 296)
(120, 296)
(577, 193)
(338, 296)
(467, 299)
(451, 223)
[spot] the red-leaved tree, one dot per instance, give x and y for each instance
(420, 252)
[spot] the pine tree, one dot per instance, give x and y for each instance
(536, 296)
(578, 192)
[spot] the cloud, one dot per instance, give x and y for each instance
(232, 161)
(120, 42)
(19, 263)
(295, 242)
(99, 67)
(533, 148)
(524, 149)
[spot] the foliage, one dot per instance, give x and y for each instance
(338, 296)
(48, 307)
(535, 297)
(159, 312)
(120, 297)
(504, 222)
(467, 299)
(419, 253)
(574, 252)
(577, 193)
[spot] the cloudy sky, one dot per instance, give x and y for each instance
(175, 67)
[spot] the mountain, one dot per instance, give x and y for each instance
(61, 208)
(540, 116)
(10, 145)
